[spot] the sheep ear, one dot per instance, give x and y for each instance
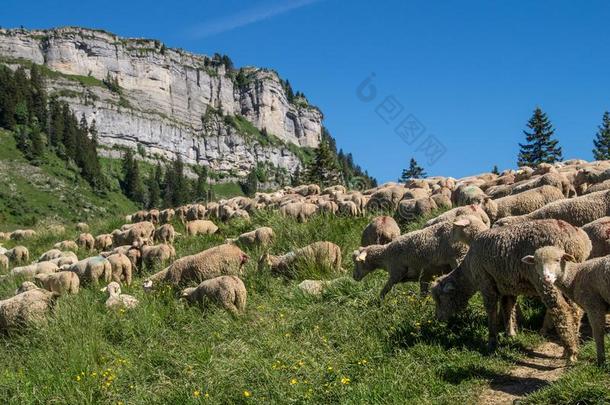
(529, 259)
(104, 289)
(361, 257)
(462, 223)
(568, 258)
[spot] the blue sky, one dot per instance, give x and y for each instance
(470, 72)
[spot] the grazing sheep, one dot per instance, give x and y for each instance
(82, 227)
(121, 268)
(4, 236)
(65, 258)
(140, 230)
(166, 216)
(348, 208)
(21, 234)
(320, 254)
(555, 179)
(451, 215)
(164, 234)
(418, 255)
(408, 210)
(195, 212)
(299, 210)
(200, 227)
(379, 231)
(467, 195)
(385, 199)
(599, 234)
(259, 237)
(18, 254)
(576, 211)
(227, 291)
(153, 216)
(522, 203)
(62, 282)
(493, 266)
(328, 207)
(103, 241)
(118, 301)
(139, 216)
(151, 255)
(28, 307)
(85, 241)
(604, 185)
(66, 245)
(587, 283)
(3, 262)
(442, 200)
(92, 269)
(221, 260)
(28, 272)
(50, 255)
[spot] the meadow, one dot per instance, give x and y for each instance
(344, 346)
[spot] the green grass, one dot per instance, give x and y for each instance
(51, 192)
(342, 347)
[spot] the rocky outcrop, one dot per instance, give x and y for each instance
(169, 101)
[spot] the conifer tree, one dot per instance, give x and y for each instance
(250, 184)
(153, 184)
(324, 169)
(132, 182)
(540, 147)
(37, 144)
(495, 170)
(415, 171)
(602, 139)
(201, 184)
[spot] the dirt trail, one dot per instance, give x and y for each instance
(539, 368)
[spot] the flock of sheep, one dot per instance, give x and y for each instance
(541, 232)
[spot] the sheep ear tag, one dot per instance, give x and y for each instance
(529, 259)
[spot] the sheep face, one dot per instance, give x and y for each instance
(361, 266)
(147, 286)
(113, 288)
(264, 262)
(26, 286)
(447, 299)
(187, 294)
(549, 262)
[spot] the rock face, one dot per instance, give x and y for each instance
(167, 101)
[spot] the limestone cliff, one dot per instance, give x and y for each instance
(169, 101)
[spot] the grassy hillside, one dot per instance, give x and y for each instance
(343, 347)
(49, 192)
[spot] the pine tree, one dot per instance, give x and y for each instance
(324, 169)
(250, 184)
(295, 179)
(602, 139)
(132, 182)
(200, 191)
(495, 170)
(37, 144)
(175, 184)
(415, 171)
(153, 184)
(540, 147)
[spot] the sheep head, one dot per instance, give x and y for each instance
(448, 297)
(361, 266)
(549, 262)
(187, 294)
(112, 288)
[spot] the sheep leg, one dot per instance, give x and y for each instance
(393, 278)
(597, 319)
(508, 307)
(490, 301)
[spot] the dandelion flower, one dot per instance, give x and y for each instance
(78, 378)
(207, 395)
(196, 394)
(293, 381)
(247, 394)
(330, 368)
(345, 380)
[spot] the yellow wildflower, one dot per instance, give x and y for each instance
(247, 394)
(78, 378)
(293, 381)
(196, 394)
(345, 380)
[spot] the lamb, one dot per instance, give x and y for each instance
(493, 266)
(259, 237)
(418, 255)
(122, 268)
(379, 231)
(103, 241)
(85, 241)
(522, 203)
(299, 210)
(66, 245)
(18, 254)
(164, 234)
(587, 283)
(28, 307)
(227, 291)
(62, 282)
(449, 216)
(599, 233)
(221, 260)
(320, 254)
(200, 227)
(28, 272)
(576, 211)
(118, 301)
(92, 269)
